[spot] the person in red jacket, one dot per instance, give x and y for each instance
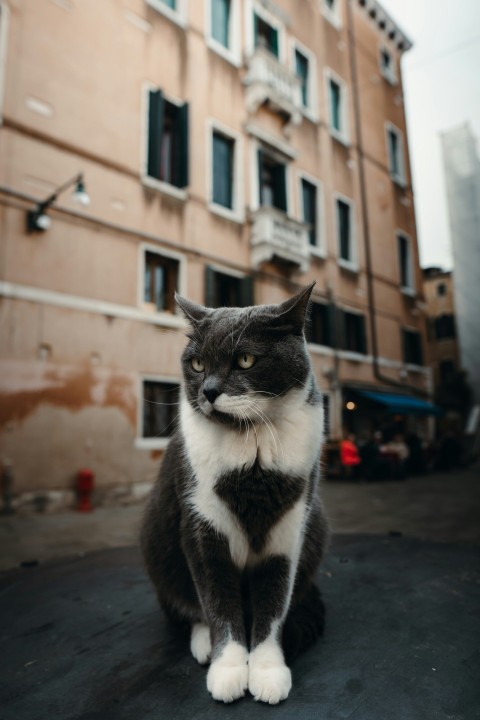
(349, 456)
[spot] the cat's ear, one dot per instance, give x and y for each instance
(291, 314)
(193, 312)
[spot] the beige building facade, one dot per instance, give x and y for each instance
(234, 151)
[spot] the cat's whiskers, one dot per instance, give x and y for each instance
(270, 426)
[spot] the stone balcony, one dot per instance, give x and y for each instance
(278, 238)
(269, 81)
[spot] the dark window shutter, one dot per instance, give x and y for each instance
(362, 335)
(210, 287)
(222, 170)
(155, 130)
(260, 174)
(246, 291)
(280, 190)
(274, 42)
(183, 146)
(340, 328)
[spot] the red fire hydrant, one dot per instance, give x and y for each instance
(85, 481)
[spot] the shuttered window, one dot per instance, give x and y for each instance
(310, 204)
(412, 347)
(405, 262)
(266, 36)
(272, 182)
(344, 230)
(220, 21)
(319, 329)
(336, 106)
(223, 158)
(167, 157)
(351, 331)
(160, 281)
(224, 290)
(302, 70)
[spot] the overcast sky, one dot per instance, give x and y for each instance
(442, 90)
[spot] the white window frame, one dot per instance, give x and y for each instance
(147, 180)
(143, 248)
(319, 249)
(251, 7)
(311, 110)
(409, 289)
(233, 53)
(390, 76)
(400, 178)
(237, 213)
(4, 21)
(334, 16)
(342, 135)
(279, 156)
(178, 16)
(351, 264)
(157, 443)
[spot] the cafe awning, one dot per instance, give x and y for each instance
(401, 404)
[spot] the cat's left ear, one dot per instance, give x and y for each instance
(193, 312)
(291, 313)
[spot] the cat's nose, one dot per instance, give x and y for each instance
(211, 391)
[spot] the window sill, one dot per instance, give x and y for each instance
(332, 18)
(391, 79)
(410, 367)
(226, 213)
(318, 349)
(318, 252)
(310, 114)
(348, 265)
(340, 137)
(151, 443)
(399, 180)
(171, 190)
(228, 55)
(408, 291)
(172, 15)
(353, 356)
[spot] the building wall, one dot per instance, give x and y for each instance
(78, 337)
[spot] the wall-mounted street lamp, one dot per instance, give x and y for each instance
(39, 221)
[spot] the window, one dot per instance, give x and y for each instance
(387, 65)
(345, 232)
(223, 155)
(441, 289)
(220, 19)
(395, 154)
(412, 347)
(160, 403)
(223, 17)
(338, 109)
(272, 181)
(174, 10)
(331, 10)
(405, 263)
(445, 327)
(351, 332)
(319, 330)
(265, 35)
(310, 210)
(160, 281)
(224, 290)
(301, 68)
(447, 370)
(167, 156)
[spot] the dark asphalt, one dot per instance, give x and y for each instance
(83, 639)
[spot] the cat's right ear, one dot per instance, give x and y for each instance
(193, 312)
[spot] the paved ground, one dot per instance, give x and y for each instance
(83, 639)
(444, 508)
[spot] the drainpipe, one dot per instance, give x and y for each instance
(365, 224)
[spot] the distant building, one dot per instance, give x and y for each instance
(234, 151)
(462, 171)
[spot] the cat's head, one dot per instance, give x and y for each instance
(239, 361)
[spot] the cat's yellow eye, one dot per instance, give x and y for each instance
(245, 360)
(198, 365)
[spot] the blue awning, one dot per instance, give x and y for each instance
(401, 404)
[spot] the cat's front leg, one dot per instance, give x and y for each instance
(269, 679)
(218, 584)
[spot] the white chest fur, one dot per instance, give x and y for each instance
(289, 443)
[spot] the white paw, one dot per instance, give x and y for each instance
(269, 684)
(227, 677)
(200, 643)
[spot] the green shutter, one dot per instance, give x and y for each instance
(274, 42)
(155, 130)
(182, 174)
(222, 161)
(210, 299)
(246, 291)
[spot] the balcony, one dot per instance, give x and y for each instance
(278, 238)
(268, 81)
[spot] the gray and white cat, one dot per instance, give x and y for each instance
(235, 530)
